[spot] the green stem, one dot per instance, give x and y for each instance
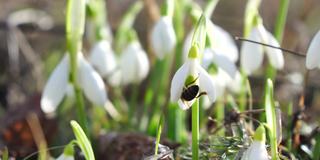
(281, 19)
(211, 5)
(195, 130)
(278, 32)
(81, 113)
(75, 19)
(159, 134)
(133, 104)
(219, 115)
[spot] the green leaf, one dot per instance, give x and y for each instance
(316, 149)
(271, 118)
(5, 154)
(82, 141)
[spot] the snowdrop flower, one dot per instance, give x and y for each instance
(191, 81)
(252, 54)
(134, 64)
(102, 58)
(221, 42)
(313, 55)
(68, 153)
(163, 37)
(65, 157)
(257, 149)
(57, 85)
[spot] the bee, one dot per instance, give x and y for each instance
(191, 91)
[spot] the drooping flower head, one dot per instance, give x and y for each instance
(57, 85)
(313, 55)
(191, 80)
(102, 58)
(252, 54)
(163, 37)
(257, 149)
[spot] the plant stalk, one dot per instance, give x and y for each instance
(195, 130)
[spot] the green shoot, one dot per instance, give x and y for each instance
(82, 140)
(271, 118)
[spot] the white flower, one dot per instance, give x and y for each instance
(102, 58)
(65, 157)
(313, 53)
(163, 37)
(257, 149)
(57, 85)
(191, 73)
(134, 64)
(252, 54)
(221, 42)
(220, 60)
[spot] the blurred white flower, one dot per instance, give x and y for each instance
(252, 54)
(57, 85)
(102, 58)
(313, 55)
(191, 74)
(65, 157)
(133, 66)
(221, 42)
(163, 37)
(134, 63)
(257, 149)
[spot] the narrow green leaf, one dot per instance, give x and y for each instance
(316, 149)
(271, 118)
(82, 140)
(5, 154)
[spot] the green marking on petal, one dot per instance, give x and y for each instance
(257, 20)
(260, 134)
(213, 69)
(189, 80)
(194, 51)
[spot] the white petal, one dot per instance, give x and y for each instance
(102, 58)
(275, 55)
(219, 84)
(313, 55)
(256, 151)
(236, 83)
(163, 37)
(65, 157)
(206, 84)
(177, 82)
(91, 82)
(207, 57)
(56, 86)
(143, 65)
(134, 64)
(225, 63)
(222, 40)
(251, 54)
(115, 78)
(185, 104)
